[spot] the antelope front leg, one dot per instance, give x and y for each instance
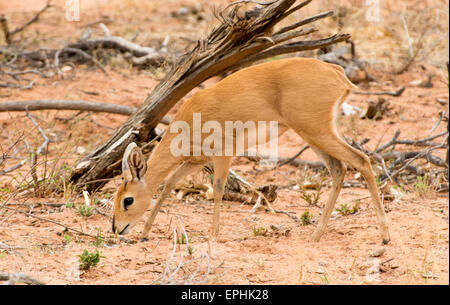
(219, 186)
(149, 221)
(183, 170)
(221, 167)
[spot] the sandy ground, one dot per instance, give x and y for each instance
(417, 254)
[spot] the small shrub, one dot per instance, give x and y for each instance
(88, 260)
(190, 249)
(86, 210)
(259, 231)
(67, 238)
(99, 240)
(183, 240)
(311, 198)
(422, 186)
(346, 210)
(306, 218)
(325, 279)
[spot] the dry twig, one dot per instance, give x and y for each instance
(396, 93)
(13, 278)
(79, 52)
(71, 105)
(9, 34)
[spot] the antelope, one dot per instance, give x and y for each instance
(303, 94)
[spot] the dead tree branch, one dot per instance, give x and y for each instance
(292, 161)
(421, 154)
(139, 55)
(13, 168)
(239, 40)
(422, 142)
(50, 221)
(41, 131)
(402, 160)
(79, 52)
(71, 105)
(66, 228)
(391, 93)
(66, 105)
(293, 157)
(9, 34)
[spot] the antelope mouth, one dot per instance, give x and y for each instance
(125, 230)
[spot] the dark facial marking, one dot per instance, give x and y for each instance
(121, 232)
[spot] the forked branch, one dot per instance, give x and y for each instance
(242, 38)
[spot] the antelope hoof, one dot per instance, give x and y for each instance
(315, 239)
(385, 235)
(214, 233)
(271, 210)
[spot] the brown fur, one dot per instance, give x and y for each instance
(299, 93)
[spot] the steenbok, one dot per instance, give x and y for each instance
(298, 93)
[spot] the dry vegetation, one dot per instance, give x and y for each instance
(53, 232)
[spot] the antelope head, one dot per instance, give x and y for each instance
(131, 200)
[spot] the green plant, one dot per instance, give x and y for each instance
(99, 240)
(86, 210)
(190, 249)
(259, 231)
(346, 210)
(67, 238)
(310, 198)
(325, 279)
(183, 240)
(88, 260)
(378, 181)
(422, 186)
(306, 218)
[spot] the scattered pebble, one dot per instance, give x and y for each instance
(415, 82)
(81, 150)
(378, 252)
(66, 68)
(428, 275)
(183, 11)
(442, 101)
(323, 264)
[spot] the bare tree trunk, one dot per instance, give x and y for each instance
(241, 39)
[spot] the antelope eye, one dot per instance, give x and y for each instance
(127, 202)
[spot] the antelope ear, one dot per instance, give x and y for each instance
(133, 163)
